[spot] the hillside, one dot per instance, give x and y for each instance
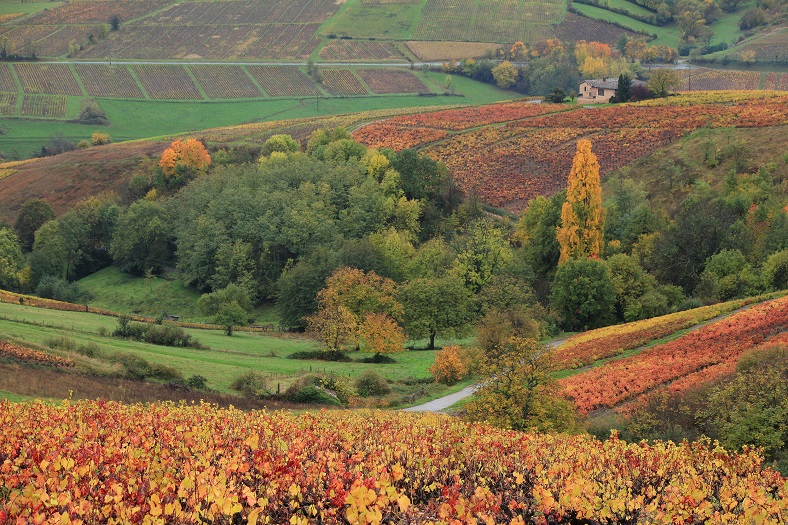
(507, 154)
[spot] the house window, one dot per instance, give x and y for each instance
(601, 92)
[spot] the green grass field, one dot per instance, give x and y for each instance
(227, 358)
(395, 22)
(136, 119)
(12, 7)
(121, 292)
(668, 35)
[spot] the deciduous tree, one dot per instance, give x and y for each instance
(441, 305)
(32, 215)
(582, 216)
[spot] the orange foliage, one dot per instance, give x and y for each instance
(33, 356)
(96, 462)
(381, 334)
(694, 358)
(191, 154)
(448, 367)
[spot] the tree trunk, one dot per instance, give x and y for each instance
(432, 340)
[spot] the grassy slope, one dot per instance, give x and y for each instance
(120, 292)
(668, 35)
(134, 119)
(395, 22)
(227, 358)
(12, 7)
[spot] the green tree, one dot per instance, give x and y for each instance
(537, 232)
(505, 74)
(727, 275)
(775, 271)
(32, 215)
(432, 306)
(143, 238)
(481, 251)
(630, 281)
(623, 93)
(583, 294)
(231, 315)
(519, 392)
(211, 303)
(12, 262)
(280, 143)
(663, 82)
(50, 255)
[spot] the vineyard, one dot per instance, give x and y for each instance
(383, 81)
(225, 82)
(108, 81)
(591, 346)
(342, 82)
(32, 356)
(94, 462)
(167, 82)
(693, 359)
(6, 79)
(53, 79)
(47, 106)
(450, 50)
(531, 152)
(342, 50)
(283, 81)
(8, 104)
(704, 79)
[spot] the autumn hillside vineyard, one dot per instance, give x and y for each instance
(97, 462)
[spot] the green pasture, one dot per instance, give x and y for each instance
(137, 119)
(227, 358)
(385, 21)
(151, 297)
(668, 35)
(12, 7)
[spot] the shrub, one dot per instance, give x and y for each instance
(135, 366)
(51, 287)
(449, 367)
(197, 381)
(167, 335)
(371, 383)
(251, 384)
(314, 394)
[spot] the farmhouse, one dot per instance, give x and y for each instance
(599, 91)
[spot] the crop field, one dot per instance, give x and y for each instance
(705, 79)
(8, 104)
(575, 27)
(342, 82)
(47, 106)
(6, 78)
(768, 47)
(102, 80)
(203, 464)
(430, 51)
(693, 359)
(221, 29)
(225, 82)
(166, 82)
(53, 79)
(392, 81)
(501, 21)
(283, 81)
(531, 154)
(97, 12)
(343, 50)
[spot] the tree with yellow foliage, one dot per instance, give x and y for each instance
(582, 215)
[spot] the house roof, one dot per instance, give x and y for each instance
(609, 83)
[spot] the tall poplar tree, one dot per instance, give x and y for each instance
(582, 215)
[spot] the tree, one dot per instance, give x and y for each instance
(481, 252)
(775, 271)
(230, 315)
(349, 296)
(182, 161)
(630, 281)
(448, 367)
(32, 215)
(519, 392)
(114, 22)
(583, 294)
(582, 215)
(211, 303)
(663, 81)
(623, 94)
(281, 143)
(505, 74)
(11, 259)
(431, 306)
(381, 334)
(143, 238)
(556, 96)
